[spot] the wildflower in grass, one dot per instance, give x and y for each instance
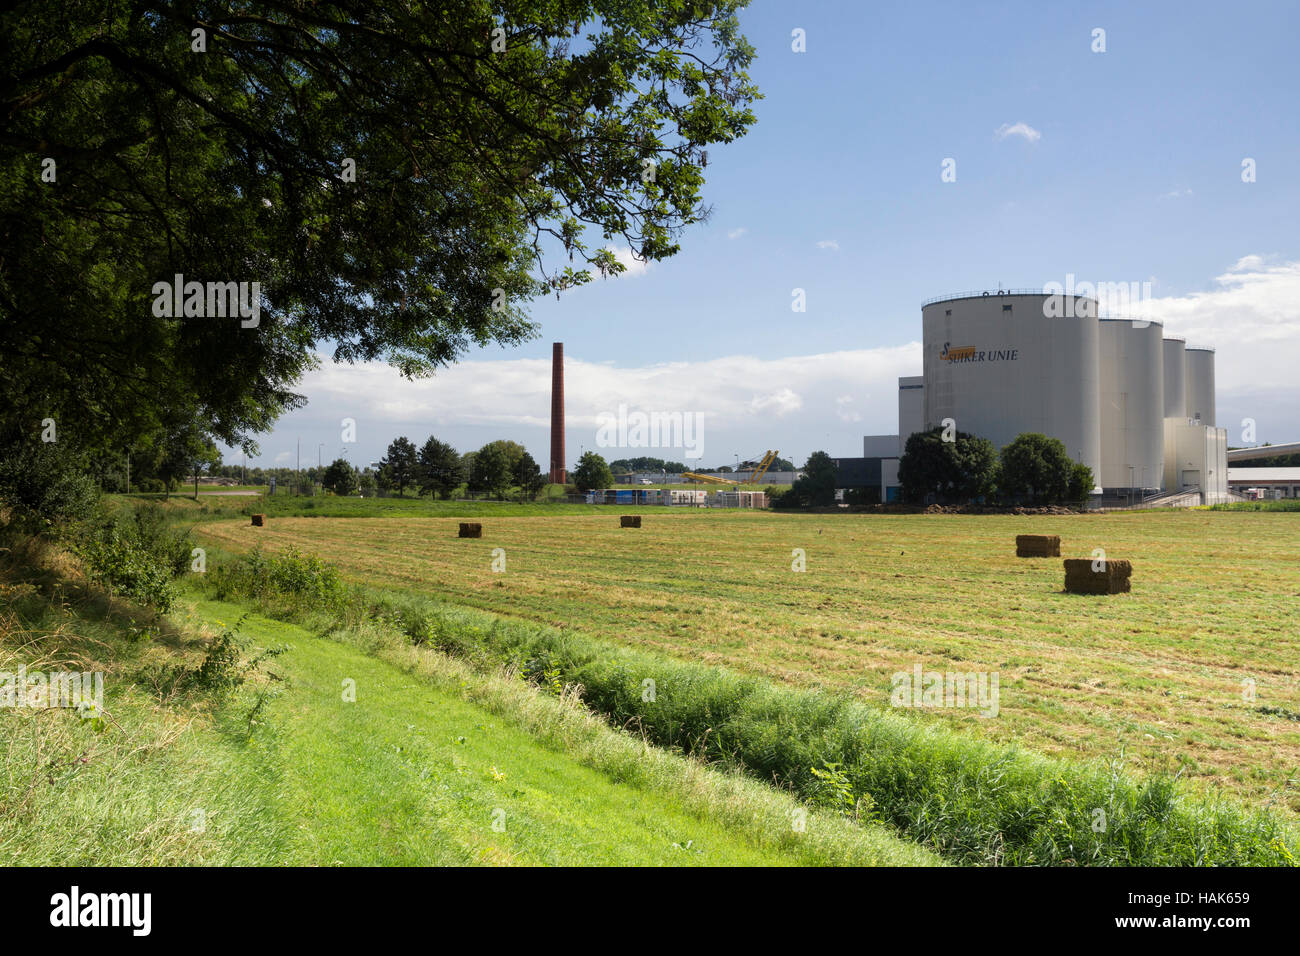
(497, 775)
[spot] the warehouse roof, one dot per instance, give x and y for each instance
(1263, 475)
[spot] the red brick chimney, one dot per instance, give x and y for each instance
(557, 414)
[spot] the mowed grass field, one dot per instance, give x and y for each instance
(1199, 665)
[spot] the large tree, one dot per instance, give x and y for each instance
(1039, 469)
(528, 477)
(340, 477)
(816, 486)
(400, 466)
(490, 472)
(400, 179)
(956, 467)
(441, 469)
(592, 473)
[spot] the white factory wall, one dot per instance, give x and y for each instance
(1132, 404)
(1199, 385)
(1174, 366)
(1028, 372)
(1196, 456)
(880, 446)
(911, 408)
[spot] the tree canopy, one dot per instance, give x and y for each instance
(441, 469)
(397, 180)
(956, 470)
(491, 472)
(1038, 468)
(528, 476)
(400, 467)
(340, 477)
(592, 473)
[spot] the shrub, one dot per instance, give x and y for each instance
(302, 577)
(125, 568)
(136, 553)
(45, 487)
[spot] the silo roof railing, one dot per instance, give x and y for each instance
(1136, 319)
(993, 293)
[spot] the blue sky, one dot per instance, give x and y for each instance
(1127, 168)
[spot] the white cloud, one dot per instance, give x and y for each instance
(1251, 318)
(845, 411)
(736, 233)
(1250, 315)
(1177, 194)
(1018, 129)
(517, 391)
(1247, 264)
(634, 266)
(829, 244)
(746, 404)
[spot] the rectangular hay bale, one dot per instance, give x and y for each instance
(471, 529)
(1038, 546)
(259, 520)
(629, 521)
(1113, 578)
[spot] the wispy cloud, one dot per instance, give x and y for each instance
(1018, 129)
(1251, 317)
(634, 266)
(829, 244)
(736, 233)
(1176, 194)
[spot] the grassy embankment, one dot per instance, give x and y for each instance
(432, 763)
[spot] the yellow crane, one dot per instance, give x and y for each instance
(757, 474)
(695, 476)
(754, 478)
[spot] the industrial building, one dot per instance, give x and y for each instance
(1133, 405)
(1264, 482)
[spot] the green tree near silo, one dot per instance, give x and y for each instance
(815, 488)
(1037, 468)
(952, 471)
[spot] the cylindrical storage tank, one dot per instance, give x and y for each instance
(1175, 400)
(1000, 364)
(1198, 387)
(1132, 404)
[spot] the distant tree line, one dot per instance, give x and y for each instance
(622, 465)
(498, 469)
(958, 468)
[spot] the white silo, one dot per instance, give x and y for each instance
(1199, 385)
(1132, 404)
(1174, 363)
(1002, 363)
